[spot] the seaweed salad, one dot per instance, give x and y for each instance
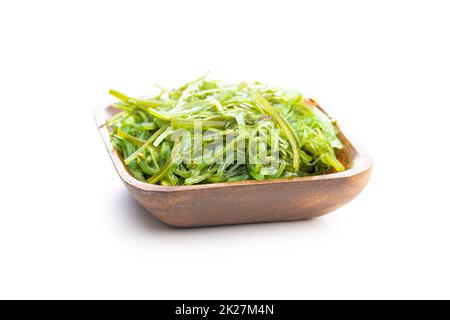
(208, 131)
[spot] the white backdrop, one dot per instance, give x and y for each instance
(69, 229)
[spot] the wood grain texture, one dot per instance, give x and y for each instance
(246, 201)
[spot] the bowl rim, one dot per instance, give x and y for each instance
(361, 163)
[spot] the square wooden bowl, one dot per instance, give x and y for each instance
(246, 201)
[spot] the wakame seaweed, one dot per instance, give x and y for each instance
(208, 132)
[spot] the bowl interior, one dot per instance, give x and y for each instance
(352, 156)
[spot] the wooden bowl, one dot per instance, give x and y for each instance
(246, 201)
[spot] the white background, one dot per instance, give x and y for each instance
(68, 227)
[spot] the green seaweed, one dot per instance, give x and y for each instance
(246, 131)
